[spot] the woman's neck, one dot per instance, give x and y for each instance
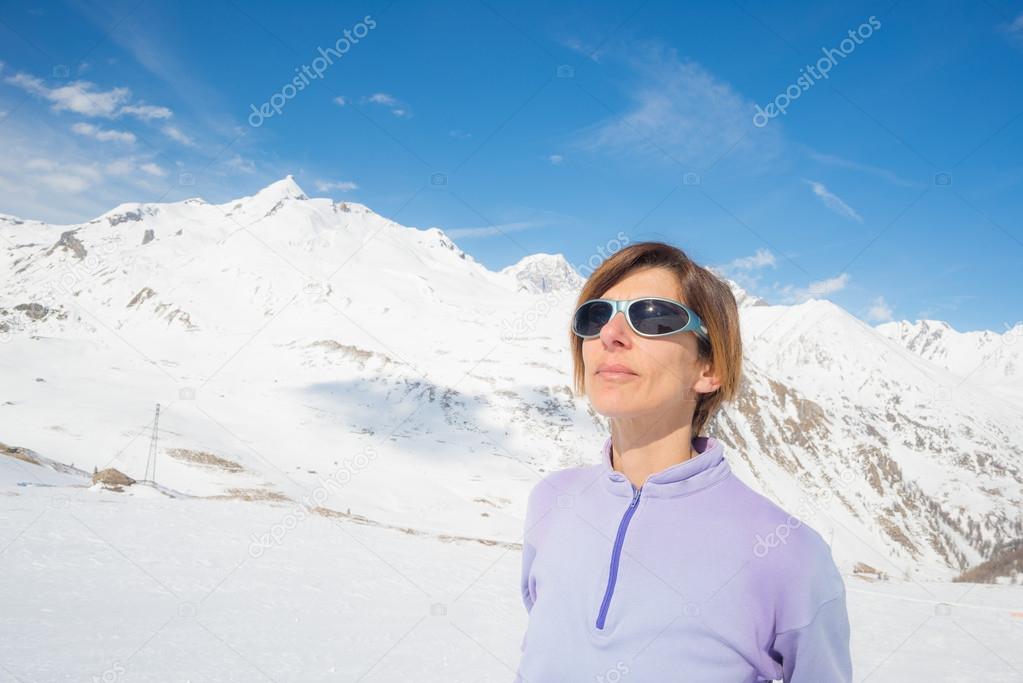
(637, 456)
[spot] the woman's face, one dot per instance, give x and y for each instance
(666, 374)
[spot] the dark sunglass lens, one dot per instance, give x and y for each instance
(591, 317)
(658, 317)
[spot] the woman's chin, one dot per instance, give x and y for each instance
(612, 403)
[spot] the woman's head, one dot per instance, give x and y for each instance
(677, 377)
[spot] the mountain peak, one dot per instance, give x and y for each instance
(268, 200)
(539, 273)
(285, 188)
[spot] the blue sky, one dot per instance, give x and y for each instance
(891, 184)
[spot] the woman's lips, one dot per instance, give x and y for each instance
(607, 374)
(615, 371)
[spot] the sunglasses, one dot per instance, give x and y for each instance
(649, 317)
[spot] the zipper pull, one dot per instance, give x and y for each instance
(635, 497)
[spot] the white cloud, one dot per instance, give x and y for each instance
(120, 167)
(745, 270)
(153, 170)
(238, 163)
(491, 230)
(683, 113)
(50, 173)
(81, 97)
(817, 289)
(62, 177)
(821, 288)
(577, 45)
(833, 202)
(879, 311)
(64, 182)
(761, 259)
(341, 186)
(460, 134)
(555, 159)
(175, 133)
(85, 98)
(41, 165)
(104, 135)
(382, 98)
(397, 107)
(833, 160)
(147, 112)
(340, 101)
(1015, 29)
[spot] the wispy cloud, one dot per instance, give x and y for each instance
(944, 305)
(555, 159)
(241, 164)
(382, 98)
(576, 44)
(176, 134)
(832, 201)
(87, 99)
(397, 107)
(818, 289)
(147, 112)
(104, 135)
(890, 176)
(53, 174)
(879, 311)
(761, 259)
(158, 52)
(63, 177)
(80, 97)
(339, 185)
(1014, 29)
(152, 169)
(682, 112)
(745, 270)
(491, 230)
(340, 101)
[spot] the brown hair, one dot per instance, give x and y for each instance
(705, 292)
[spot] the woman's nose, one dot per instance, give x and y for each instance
(615, 329)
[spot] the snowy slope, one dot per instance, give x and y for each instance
(159, 589)
(993, 359)
(297, 344)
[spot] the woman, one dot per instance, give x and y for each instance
(659, 564)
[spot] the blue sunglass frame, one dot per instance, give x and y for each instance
(695, 324)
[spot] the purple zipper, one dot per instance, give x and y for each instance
(616, 554)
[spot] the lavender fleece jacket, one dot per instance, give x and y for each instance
(693, 577)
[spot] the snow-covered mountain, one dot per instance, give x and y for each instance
(991, 358)
(300, 346)
(539, 273)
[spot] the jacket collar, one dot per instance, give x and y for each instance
(680, 479)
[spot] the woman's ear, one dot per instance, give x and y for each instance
(708, 382)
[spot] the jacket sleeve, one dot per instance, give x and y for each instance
(819, 651)
(526, 584)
